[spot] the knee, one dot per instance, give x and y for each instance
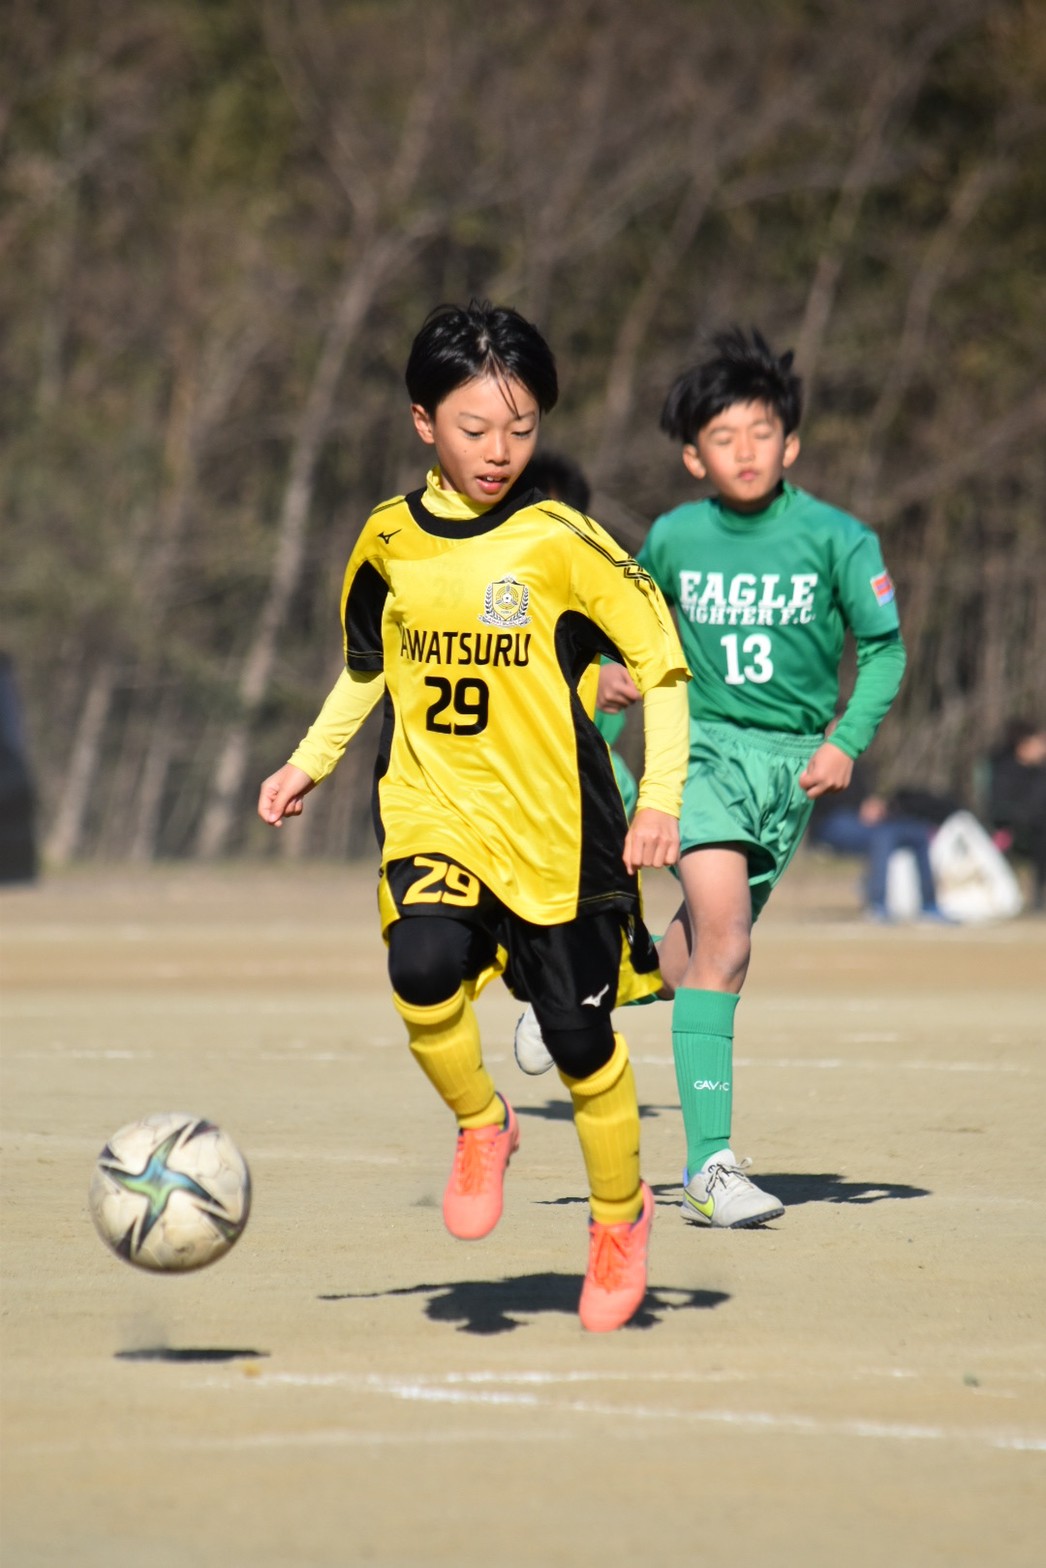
(423, 972)
(581, 1052)
(420, 983)
(724, 951)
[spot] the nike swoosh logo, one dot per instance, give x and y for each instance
(594, 1001)
(705, 1208)
(387, 537)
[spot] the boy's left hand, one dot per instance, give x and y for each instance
(828, 771)
(652, 840)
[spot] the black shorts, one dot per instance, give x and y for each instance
(569, 972)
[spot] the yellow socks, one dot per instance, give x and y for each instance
(444, 1041)
(606, 1115)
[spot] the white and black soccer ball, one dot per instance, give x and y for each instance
(170, 1192)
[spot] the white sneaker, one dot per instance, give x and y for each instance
(529, 1045)
(722, 1195)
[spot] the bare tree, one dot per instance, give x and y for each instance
(892, 90)
(380, 246)
(202, 241)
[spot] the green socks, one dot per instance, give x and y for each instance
(703, 1047)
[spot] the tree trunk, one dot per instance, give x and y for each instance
(64, 840)
(360, 284)
(894, 87)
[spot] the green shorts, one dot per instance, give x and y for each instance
(742, 787)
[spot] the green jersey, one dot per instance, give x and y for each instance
(763, 603)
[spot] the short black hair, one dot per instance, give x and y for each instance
(457, 344)
(740, 369)
(1017, 730)
(557, 477)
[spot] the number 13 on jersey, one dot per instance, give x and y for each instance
(754, 650)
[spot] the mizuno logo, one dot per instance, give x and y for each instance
(392, 535)
(712, 1083)
(594, 1001)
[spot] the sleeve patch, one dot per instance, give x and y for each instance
(882, 587)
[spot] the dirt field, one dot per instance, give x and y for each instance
(862, 1383)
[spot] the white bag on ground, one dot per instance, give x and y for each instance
(975, 882)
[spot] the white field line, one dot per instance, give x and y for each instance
(325, 1437)
(298, 1052)
(536, 1392)
(197, 1004)
(82, 1054)
(1001, 933)
(542, 1378)
(994, 933)
(852, 1063)
(493, 1388)
(752, 1422)
(204, 934)
(11, 1140)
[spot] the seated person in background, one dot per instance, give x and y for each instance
(1017, 798)
(857, 821)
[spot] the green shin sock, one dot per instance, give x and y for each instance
(703, 1047)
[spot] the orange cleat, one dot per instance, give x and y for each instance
(473, 1198)
(616, 1280)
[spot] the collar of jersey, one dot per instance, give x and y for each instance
(451, 515)
(745, 522)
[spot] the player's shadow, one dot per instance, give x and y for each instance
(830, 1187)
(189, 1353)
(501, 1306)
(563, 1111)
(792, 1189)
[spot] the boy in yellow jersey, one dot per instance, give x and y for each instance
(476, 607)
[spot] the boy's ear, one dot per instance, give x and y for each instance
(791, 449)
(423, 423)
(692, 461)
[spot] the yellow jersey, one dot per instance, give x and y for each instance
(484, 623)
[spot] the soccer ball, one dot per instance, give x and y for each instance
(170, 1192)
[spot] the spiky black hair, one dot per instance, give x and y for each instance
(741, 369)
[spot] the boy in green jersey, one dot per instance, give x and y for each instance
(765, 580)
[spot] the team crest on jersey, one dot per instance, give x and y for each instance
(505, 603)
(882, 587)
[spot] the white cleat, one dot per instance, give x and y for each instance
(529, 1045)
(721, 1195)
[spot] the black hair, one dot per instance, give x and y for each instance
(557, 477)
(1017, 730)
(458, 344)
(740, 370)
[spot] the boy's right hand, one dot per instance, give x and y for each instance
(282, 794)
(617, 689)
(828, 771)
(652, 840)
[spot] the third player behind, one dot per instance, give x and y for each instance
(765, 580)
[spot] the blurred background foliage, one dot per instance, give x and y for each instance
(224, 220)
